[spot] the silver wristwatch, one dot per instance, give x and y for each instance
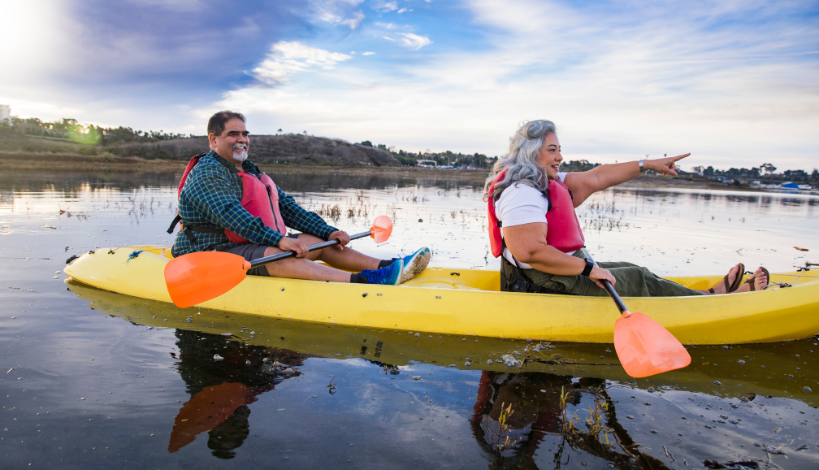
(642, 167)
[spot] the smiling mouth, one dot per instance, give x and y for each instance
(240, 146)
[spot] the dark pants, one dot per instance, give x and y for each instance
(632, 281)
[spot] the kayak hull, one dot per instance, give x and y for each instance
(468, 302)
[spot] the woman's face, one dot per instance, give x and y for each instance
(549, 156)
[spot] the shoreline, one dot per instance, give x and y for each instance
(45, 162)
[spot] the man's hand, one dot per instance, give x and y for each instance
(342, 237)
(597, 274)
(293, 244)
(665, 166)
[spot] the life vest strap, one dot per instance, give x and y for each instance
(514, 279)
(176, 220)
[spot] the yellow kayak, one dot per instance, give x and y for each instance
(406, 351)
(468, 302)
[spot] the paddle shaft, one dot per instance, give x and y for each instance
(609, 288)
(317, 246)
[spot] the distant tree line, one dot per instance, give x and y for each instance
(67, 128)
(764, 172)
(447, 158)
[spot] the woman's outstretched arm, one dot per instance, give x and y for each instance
(585, 183)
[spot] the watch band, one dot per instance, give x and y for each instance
(642, 166)
(587, 270)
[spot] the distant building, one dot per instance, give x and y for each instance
(5, 112)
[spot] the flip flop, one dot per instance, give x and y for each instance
(732, 286)
(752, 278)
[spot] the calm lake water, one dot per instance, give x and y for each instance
(92, 379)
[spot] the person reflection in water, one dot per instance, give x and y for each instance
(221, 390)
(537, 423)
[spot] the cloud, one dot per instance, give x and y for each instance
(384, 5)
(368, 53)
(619, 84)
(403, 10)
(178, 5)
(413, 41)
(385, 25)
(286, 58)
(342, 12)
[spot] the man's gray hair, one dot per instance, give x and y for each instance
(520, 162)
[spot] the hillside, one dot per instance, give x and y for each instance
(292, 149)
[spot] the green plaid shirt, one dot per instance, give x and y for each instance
(212, 198)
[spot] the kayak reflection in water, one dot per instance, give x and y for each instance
(221, 389)
(517, 415)
(226, 203)
(533, 225)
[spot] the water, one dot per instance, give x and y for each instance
(93, 379)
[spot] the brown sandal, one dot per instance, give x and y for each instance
(753, 278)
(732, 286)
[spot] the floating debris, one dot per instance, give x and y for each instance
(510, 360)
(218, 358)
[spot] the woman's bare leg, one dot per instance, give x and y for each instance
(759, 279)
(720, 287)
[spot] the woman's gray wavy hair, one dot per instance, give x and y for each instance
(520, 162)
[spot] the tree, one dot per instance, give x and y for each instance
(708, 171)
(367, 143)
(698, 169)
(768, 168)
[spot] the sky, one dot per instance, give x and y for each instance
(734, 82)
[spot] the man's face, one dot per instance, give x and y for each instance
(233, 144)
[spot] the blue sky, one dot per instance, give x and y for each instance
(734, 82)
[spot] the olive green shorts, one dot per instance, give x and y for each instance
(631, 281)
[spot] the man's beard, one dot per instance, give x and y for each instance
(239, 153)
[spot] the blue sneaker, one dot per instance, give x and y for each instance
(388, 276)
(415, 264)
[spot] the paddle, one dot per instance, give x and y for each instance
(197, 277)
(643, 346)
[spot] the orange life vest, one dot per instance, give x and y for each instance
(260, 197)
(564, 231)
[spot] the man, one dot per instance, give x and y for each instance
(222, 187)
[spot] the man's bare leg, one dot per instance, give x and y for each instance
(306, 268)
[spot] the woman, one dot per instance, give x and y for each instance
(533, 225)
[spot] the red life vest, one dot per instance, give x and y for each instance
(260, 197)
(564, 231)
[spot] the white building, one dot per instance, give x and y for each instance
(5, 112)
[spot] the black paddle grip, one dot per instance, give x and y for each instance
(317, 246)
(609, 288)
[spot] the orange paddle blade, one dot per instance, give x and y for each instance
(382, 228)
(206, 410)
(196, 277)
(645, 348)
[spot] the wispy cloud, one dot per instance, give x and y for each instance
(177, 5)
(368, 53)
(344, 12)
(384, 5)
(385, 25)
(414, 41)
(286, 58)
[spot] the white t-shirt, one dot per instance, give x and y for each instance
(521, 204)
